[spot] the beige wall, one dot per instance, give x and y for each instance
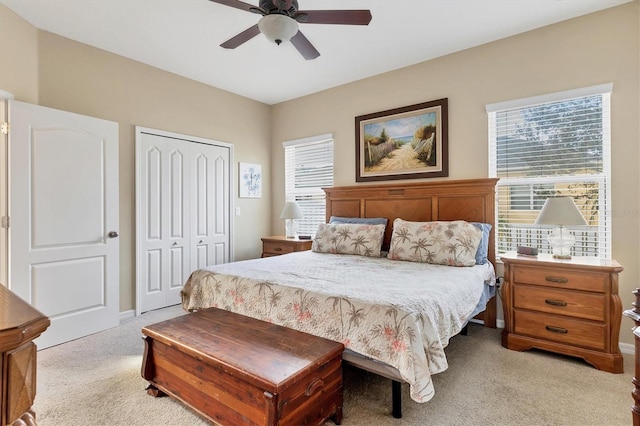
(18, 57)
(593, 49)
(70, 76)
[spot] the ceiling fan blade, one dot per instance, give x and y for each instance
(304, 46)
(342, 17)
(243, 37)
(240, 5)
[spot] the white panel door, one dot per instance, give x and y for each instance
(163, 208)
(63, 208)
(183, 204)
(210, 205)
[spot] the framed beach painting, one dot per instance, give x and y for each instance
(250, 180)
(403, 143)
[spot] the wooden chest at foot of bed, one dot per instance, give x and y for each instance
(236, 370)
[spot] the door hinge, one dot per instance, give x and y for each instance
(4, 128)
(4, 222)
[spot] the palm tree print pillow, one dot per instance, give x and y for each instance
(358, 239)
(443, 243)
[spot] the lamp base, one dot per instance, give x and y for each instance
(561, 240)
(291, 229)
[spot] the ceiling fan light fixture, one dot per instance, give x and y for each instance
(278, 28)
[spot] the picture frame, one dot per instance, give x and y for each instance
(250, 180)
(410, 142)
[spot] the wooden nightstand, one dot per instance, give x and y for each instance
(275, 246)
(570, 307)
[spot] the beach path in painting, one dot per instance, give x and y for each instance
(402, 158)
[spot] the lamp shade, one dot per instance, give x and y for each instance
(278, 28)
(560, 211)
(291, 211)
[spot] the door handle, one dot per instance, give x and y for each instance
(112, 234)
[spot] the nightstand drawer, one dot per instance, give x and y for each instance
(563, 278)
(561, 329)
(277, 248)
(571, 303)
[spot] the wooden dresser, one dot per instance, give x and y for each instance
(570, 307)
(20, 323)
(275, 246)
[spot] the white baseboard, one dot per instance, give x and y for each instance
(627, 348)
(127, 315)
(499, 322)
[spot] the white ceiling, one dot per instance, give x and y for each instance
(183, 37)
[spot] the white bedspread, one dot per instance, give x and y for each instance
(400, 313)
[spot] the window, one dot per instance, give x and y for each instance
(552, 145)
(529, 197)
(308, 169)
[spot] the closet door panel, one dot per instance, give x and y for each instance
(162, 202)
(210, 238)
(177, 202)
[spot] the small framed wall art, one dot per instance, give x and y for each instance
(250, 180)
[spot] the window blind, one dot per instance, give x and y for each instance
(308, 169)
(552, 146)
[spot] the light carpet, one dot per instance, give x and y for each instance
(96, 381)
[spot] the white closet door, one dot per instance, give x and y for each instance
(210, 205)
(163, 233)
(183, 221)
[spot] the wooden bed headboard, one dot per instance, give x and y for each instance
(472, 200)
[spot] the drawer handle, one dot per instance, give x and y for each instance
(277, 249)
(557, 329)
(553, 279)
(314, 386)
(555, 302)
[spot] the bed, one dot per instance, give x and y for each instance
(398, 330)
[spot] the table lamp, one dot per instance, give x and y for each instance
(560, 211)
(290, 212)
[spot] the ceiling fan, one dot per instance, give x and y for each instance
(279, 23)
